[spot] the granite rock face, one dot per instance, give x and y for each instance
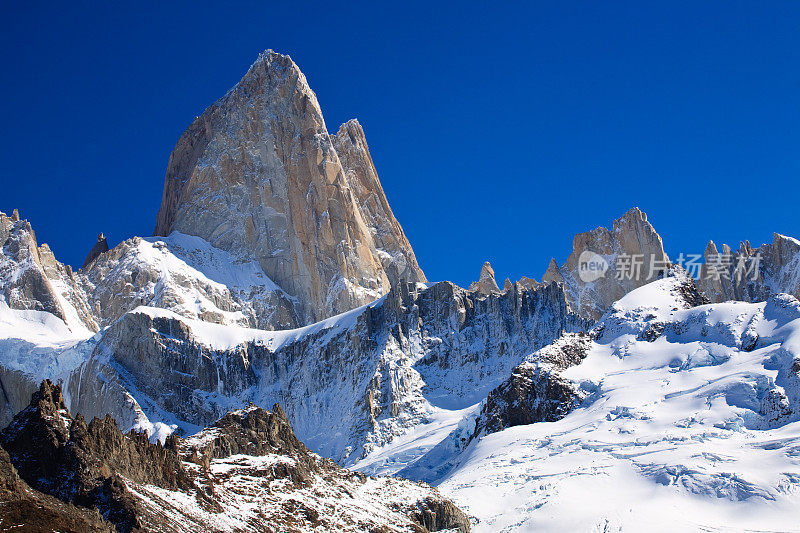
(394, 250)
(751, 274)
(747, 274)
(630, 237)
(259, 176)
(486, 284)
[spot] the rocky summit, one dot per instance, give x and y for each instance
(259, 175)
(134, 391)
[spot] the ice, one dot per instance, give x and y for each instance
(684, 433)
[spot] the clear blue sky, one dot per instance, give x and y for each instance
(498, 130)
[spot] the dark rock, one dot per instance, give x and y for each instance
(82, 464)
(535, 392)
(100, 247)
(25, 509)
(436, 514)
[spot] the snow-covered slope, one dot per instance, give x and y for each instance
(690, 423)
(187, 275)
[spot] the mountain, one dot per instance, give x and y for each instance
(247, 472)
(259, 176)
(31, 279)
(351, 383)
(186, 275)
(646, 389)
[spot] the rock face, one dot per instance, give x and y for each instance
(747, 274)
(248, 472)
(101, 246)
(751, 274)
(535, 392)
(486, 284)
(82, 464)
(32, 279)
(25, 509)
(349, 385)
(632, 252)
(258, 175)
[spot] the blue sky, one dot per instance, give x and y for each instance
(498, 130)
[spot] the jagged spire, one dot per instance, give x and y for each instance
(100, 247)
(486, 283)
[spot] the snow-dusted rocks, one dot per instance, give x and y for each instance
(188, 276)
(350, 384)
(45, 316)
(32, 279)
(259, 176)
(248, 472)
(752, 274)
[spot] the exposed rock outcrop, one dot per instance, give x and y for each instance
(25, 509)
(632, 253)
(535, 392)
(397, 259)
(32, 279)
(100, 247)
(82, 464)
(93, 470)
(486, 284)
(259, 176)
(751, 274)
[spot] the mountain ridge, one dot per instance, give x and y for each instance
(280, 276)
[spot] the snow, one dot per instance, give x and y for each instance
(187, 275)
(685, 433)
(253, 499)
(179, 252)
(404, 450)
(40, 344)
(227, 337)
